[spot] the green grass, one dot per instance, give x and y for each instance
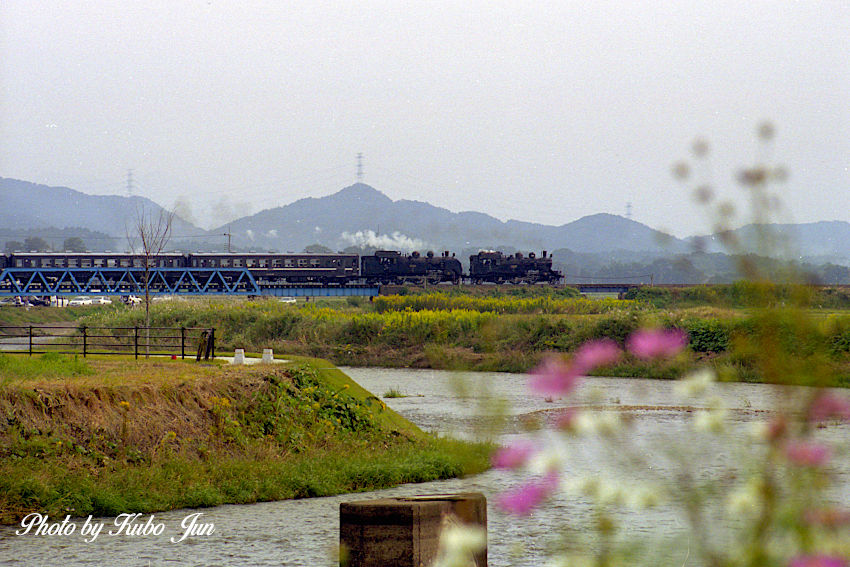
(11, 315)
(67, 485)
(17, 367)
(141, 436)
(394, 393)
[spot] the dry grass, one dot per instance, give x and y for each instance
(138, 402)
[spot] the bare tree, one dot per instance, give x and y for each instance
(149, 234)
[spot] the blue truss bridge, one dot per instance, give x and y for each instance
(46, 282)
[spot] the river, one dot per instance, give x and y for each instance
(305, 532)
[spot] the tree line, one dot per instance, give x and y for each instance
(39, 244)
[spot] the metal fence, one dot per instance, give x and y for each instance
(81, 339)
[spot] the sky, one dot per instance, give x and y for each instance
(536, 111)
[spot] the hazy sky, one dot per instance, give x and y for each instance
(536, 111)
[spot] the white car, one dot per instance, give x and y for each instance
(288, 300)
(101, 301)
(81, 300)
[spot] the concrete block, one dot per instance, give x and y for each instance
(268, 356)
(239, 356)
(405, 532)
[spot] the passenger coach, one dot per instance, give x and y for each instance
(269, 269)
(92, 260)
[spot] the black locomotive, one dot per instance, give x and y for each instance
(390, 266)
(495, 267)
(383, 267)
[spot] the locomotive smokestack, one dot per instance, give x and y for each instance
(544, 253)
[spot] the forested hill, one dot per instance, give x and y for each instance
(360, 215)
(25, 205)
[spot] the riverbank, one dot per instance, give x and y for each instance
(108, 436)
(515, 333)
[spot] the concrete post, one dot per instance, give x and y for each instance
(268, 356)
(239, 356)
(404, 532)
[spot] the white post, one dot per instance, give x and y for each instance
(268, 356)
(239, 356)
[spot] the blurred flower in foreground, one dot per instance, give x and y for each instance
(514, 455)
(695, 383)
(554, 378)
(523, 499)
(829, 406)
(657, 343)
(828, 517)
(459, 544)
(593, 354)
(818, 561)
(807, 454)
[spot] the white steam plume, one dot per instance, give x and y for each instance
(394, 241)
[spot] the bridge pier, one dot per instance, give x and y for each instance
(405, 532)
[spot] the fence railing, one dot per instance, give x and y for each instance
(85, 340)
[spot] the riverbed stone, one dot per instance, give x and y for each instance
(405, 532)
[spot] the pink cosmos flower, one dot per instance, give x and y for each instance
(818, 561)
(554, 378)
(524, 499)
(595, 353)
(806, 454)
(657, 343)
(829, 406)
(827, 517)
(777, 428)
(514, 456)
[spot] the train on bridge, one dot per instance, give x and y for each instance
(40, 273)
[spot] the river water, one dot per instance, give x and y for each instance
(305, 532)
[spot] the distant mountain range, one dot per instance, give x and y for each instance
(361, 216)
(25, 205)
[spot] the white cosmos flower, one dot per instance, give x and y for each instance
(711, 420)
(458, 545)
(603, 423)
(553, 458)
(746, 499)
(696, 383)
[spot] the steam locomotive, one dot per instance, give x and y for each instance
(495, 267)
(383, 267)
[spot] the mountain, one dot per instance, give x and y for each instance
(25, 205)
(824, 241)
(360, 215)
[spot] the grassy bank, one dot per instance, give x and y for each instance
(104, 436)
(12, 316)
(508, 333)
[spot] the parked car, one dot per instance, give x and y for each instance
(131, 300)
(101, 301)
(288, 300)
(80, 300)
